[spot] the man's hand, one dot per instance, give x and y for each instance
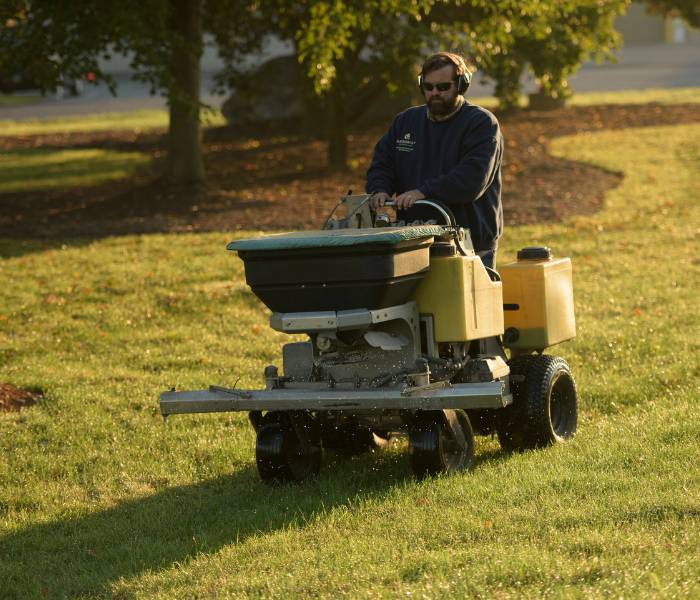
(378, 199)
(408, 199)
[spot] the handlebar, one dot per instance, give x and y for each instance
(445, 212)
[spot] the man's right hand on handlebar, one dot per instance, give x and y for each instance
(378, 199)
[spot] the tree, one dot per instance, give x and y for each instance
(688, 10)
(383, 60)
(550, 38)
(579, 30)
(489, 31)
(64, 39)
(350, 52)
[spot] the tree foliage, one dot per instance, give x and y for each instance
(504, 38)
(349, 53)
(688, 10)
(577, 31)
(60, 40)
(549, 38)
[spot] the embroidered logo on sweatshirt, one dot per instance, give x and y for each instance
(406, 144)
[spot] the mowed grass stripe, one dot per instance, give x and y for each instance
(683, 95)
(134, 120)
(99, 498)
(40, 169)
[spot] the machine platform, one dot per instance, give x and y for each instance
(430, 397)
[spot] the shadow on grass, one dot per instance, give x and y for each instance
(15, 248)
(85, 554)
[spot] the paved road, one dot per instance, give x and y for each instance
(638, 67)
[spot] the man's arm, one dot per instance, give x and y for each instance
(471, 177)
(381, 175)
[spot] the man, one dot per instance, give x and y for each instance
(448, 150)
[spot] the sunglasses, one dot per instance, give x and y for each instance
(441, 87)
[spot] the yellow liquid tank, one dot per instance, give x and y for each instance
(464, 302)
(538, 300)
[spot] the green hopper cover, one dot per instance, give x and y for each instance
(336, 237)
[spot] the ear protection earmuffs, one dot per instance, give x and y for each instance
(463, 82)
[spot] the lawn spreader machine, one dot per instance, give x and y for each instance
(408, 332)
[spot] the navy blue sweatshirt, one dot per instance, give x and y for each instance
(457, 161)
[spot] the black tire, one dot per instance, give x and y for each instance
(279, 452)
(433, 447)
(544, 409)
(512, 420)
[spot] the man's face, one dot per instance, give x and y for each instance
(439, 102)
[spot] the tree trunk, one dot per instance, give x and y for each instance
(185, 164)
(337, 134)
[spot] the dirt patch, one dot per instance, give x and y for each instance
(281, 182)
(14, 399)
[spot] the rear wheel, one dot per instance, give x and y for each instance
(544, 409)
(287, 447)
(440, 442)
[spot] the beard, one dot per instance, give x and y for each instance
(442, 106)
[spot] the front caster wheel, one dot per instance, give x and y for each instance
(287, 448)
(440, 442)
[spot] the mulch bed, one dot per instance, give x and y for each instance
(281, 182)
(14, 399)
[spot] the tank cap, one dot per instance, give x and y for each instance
(443, 249)
(535, 253)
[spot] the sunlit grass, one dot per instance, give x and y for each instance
(645, 96)
(98, 498)
(38, 169)
(17, 100)
(138, 120)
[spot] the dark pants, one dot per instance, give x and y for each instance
(488, 257)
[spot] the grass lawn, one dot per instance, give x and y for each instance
(18, 99)
(99, 498)
(659, 95)
(135, 120)
(41, 168)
